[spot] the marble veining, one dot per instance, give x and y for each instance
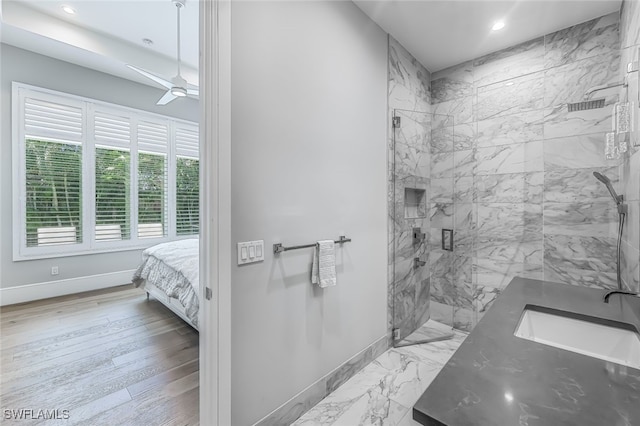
(515, 158)
(411, 161)
(519, 250)
(512, 166)
(464, 136)
(464, 189)
(382, 393)
(582, 41)
(593, 219)
(510, 129)
(442, 165)
(559, 122)
(442, 190)
(577, 185)
(575, 152)
(453, 112)
(409, 167)
(499, 273)
(631, 267)
(581, 252)
(524, 58)
(509, 220)
(523, 94)
(579, 277)
(511, 188)
(442, 139)
(483, 298)
(569, 83)
(452, 83)
(441, 215)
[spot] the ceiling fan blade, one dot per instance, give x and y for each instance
(168, 97)
(161, 81)
(193, 92)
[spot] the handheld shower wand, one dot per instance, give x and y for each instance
(607, 182)
(622, 212)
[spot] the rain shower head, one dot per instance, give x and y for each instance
(607, 182)
(585, 105)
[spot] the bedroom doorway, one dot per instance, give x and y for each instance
(149, 186)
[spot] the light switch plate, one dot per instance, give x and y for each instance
(250, 252)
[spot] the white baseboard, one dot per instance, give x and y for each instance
(30, 292)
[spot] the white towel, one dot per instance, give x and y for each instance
(323, 270)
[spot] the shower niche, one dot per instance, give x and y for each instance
(415, 203)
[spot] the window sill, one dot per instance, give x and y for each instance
(102, 248)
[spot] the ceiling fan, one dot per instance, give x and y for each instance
(177, 86)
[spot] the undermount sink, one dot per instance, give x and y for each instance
(558, 329)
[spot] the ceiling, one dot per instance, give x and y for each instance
(107, 34)
(442, 33)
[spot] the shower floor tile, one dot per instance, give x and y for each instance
(384, 392)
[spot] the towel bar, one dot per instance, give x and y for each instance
(279, 248)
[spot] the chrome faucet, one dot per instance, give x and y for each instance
(610, 292)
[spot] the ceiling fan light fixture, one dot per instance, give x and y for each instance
(180, 92)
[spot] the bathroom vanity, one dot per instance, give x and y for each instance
(496, 378)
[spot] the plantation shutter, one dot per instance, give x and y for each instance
(53, 132)
(52, 120)
(187, 181)
(153, 140)
(112, 137)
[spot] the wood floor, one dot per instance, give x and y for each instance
(109, 357)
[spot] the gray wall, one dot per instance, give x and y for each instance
(309, 104)
(30, 68)
(525, 202)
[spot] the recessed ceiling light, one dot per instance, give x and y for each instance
(69, 10)
(498, 26)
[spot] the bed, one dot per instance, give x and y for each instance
(169, 272)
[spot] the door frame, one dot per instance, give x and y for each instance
(215, 217)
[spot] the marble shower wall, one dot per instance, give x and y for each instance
(408, 167)
(630, 168)
(525, 200)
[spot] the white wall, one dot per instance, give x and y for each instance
(309, 93)
(27, 67)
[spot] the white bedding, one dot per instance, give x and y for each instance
(173, 267)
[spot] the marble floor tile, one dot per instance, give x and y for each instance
(370, 408)
(383, 393)
(406, 377)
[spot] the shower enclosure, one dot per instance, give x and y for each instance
(426, 272)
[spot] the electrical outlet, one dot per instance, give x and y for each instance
(54, 270)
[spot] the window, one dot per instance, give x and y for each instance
(91, 176)
(187, 181)
(53, 190)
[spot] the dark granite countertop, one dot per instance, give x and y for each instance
(496, 378)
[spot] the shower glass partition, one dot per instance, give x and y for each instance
(423, 283)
